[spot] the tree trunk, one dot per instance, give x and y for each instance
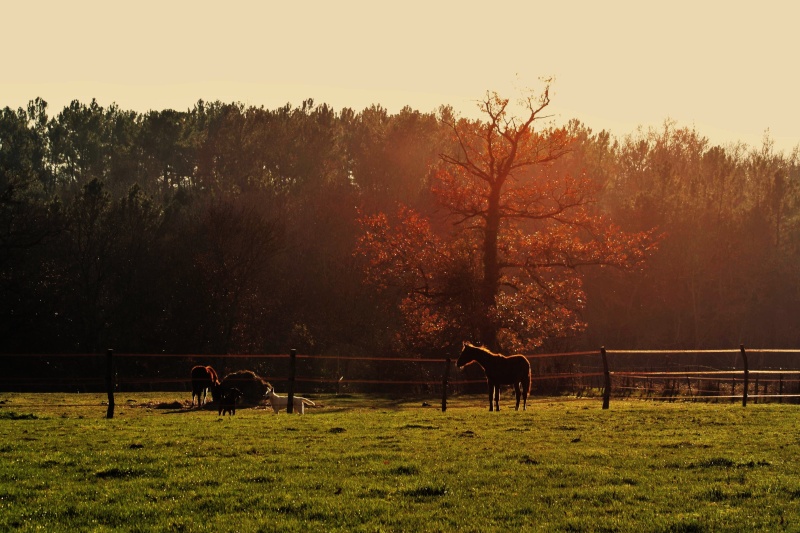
(491, 270)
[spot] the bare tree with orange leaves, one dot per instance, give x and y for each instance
(506, 270)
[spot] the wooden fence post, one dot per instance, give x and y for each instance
(607, 379)
(444, 384)
(110, 382)
(292, 363)
(746, 376)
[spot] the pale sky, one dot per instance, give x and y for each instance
(727, 68)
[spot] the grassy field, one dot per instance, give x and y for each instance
(366, 464)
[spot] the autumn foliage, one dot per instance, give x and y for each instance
(503, 266)
(228, 228)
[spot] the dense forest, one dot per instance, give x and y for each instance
(234, 229)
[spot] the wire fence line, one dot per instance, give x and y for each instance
(697, 375)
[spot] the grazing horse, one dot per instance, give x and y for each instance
(500, 370)
(204, 378)
(249, 383)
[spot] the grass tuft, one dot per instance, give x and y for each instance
(11, 415)
(692, 526)
(426, 491)
(117, 473)
(717, 462)
(419, 426)
(405, 470)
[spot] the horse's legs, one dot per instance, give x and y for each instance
(491, 390)
(517, 394)
(497, 398)
(526, 385)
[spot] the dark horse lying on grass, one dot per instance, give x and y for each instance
(500, 370)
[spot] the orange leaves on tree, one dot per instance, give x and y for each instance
(507, 271)
(401, 255)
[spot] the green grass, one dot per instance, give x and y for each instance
(362, 464)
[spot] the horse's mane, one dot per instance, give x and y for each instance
(482, 349)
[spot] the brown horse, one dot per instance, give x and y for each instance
(204, 378)
(500, 370)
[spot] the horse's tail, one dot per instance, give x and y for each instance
(526, 383)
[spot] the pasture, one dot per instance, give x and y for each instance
(372, 464)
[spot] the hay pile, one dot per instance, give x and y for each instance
(249, 383)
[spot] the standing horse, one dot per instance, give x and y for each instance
(204, 378)
(500, 370)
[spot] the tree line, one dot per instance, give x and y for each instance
(237, 229)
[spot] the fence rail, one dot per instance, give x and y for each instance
(697, 375)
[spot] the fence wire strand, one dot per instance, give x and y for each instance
(684, 384)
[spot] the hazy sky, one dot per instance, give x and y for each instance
(727, 68)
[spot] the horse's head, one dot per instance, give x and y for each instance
(216, 391)
(467, 355)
